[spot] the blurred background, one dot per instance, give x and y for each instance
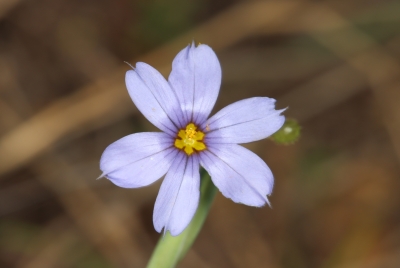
(335, 64)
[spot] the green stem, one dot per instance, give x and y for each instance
(171, 249)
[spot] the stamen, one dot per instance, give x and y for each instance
(190, 139)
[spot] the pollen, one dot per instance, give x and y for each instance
(190, 140)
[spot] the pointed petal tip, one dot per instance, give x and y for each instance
(138, 64)
(268, 202)
(199, 44)
(261, 203)
(103, 175)
(133, 68)
(283, 110)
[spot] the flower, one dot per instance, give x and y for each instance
(180, 108)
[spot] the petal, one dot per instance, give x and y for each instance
(138, 160)
(244, 121)
(196, 79)
(238, 173)
(154, 98)
(179, 195)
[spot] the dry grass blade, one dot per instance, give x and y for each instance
(74, 112)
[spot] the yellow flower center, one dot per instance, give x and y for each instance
(190, 139)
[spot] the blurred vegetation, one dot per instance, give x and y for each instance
(335, 64)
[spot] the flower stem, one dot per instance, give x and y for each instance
(171, 249)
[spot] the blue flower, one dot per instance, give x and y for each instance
(180, 108)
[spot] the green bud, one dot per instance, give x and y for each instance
(289, 133)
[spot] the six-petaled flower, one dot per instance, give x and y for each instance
(180, 108)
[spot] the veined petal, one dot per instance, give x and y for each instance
(139, 159)
(244, 121)
(154, 98)
(238, 173)
(179, 195)
(196, 79)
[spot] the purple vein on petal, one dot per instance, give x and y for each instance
(227, 111)
(144, 81)
(128, 164)
(243, 122)
(177, 194)
(240, 175)
(194, 82)
(184, 112)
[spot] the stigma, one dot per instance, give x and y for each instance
(190, 140)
